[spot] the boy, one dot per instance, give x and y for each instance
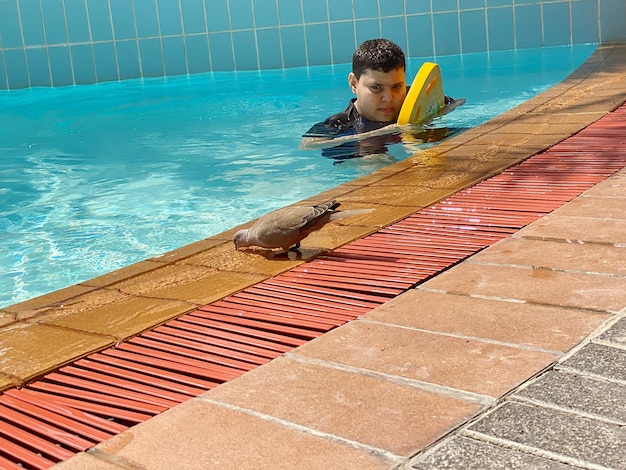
(378, 79)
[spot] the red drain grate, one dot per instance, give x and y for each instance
(94, 398)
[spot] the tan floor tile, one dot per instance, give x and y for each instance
(116, 315)
(615, 186)
(85, 461)
(412, 198)
(542, 286)
(378, 413)
(576, 229)
(6, 318)
(460, 363)
(31, 350)
(200, 435)
(594, 207)
(551, 328)
(587, 257)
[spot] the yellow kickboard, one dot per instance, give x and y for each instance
(425, 97)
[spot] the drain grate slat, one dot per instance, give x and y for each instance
(105, 393)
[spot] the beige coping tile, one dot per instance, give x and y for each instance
(31, 350)
(7, 382)
(6, 318)
(570, 256)
(38, 305)
(409, 198)
(115, 314)
(188, 283)
(190, 249)
(577, 229)
(378, 413)
(535, 285)
(122, 274)
(201, 435)
(462, 363)
(539, 326)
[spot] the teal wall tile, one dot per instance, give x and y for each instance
(265, 14)
(174, 60)
(243, 18)
(38, 67)
(10, 27)
(32, 24)
(221, 47)
(342, 40)
(146, 18)
(500, 27)
(60, 65)
(193, 15)
(340, 10)
(170, 22)
(446, 31)
(317, 44)
(366, 29)
(3, 77)
(54, 22)
(82, 61)
(198, 58)
(77, 24)
(471, 4)
(106, 61)
(420, 36)
(417, 7)
(151, 57)
(217, 15)
(444, 5)
(123, 19)
(369, 8)
(585, 21)
(268, 41)
(473, 31)
(556, 30)
(128, 59)
(293, 46)
(315, 11)
(289, 12)
(392, 7)
(394, 29)
(245, 51)
(17, 72)
(612, 20)
(99, 20)
(528, 26)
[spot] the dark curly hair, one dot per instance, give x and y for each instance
(377, 54)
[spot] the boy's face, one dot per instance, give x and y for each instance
(379, 95)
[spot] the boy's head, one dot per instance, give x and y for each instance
(377, 54)
(378, 80)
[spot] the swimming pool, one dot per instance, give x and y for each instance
(94, 178)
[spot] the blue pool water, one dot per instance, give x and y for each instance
(93, 178)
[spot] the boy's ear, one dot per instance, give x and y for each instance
(352, 81)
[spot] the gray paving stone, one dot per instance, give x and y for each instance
(600, 360)
(461, 453)
(580, 393)
(616, 334)
(565, 434)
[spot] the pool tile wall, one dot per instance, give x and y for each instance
(66, 42)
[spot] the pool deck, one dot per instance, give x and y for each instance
(515, 356)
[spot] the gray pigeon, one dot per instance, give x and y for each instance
(286, 227)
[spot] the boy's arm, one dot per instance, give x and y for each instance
(309, 142)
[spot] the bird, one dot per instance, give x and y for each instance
(285, 228)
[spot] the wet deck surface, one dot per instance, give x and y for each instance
(490, 338)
